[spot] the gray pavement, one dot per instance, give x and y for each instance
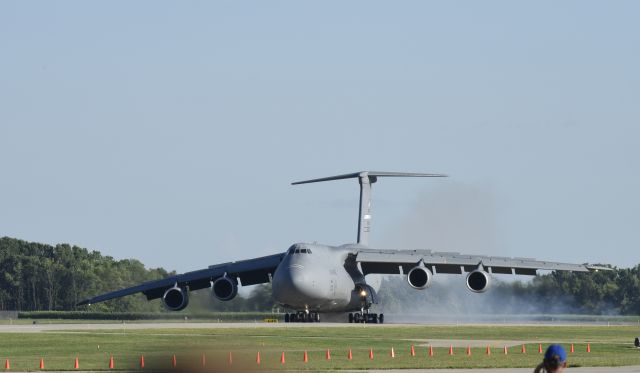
(34, 328)
(632, 369)
(30, 328)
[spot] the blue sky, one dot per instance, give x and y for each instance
(169, 132)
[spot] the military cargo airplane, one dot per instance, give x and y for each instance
(312, 279)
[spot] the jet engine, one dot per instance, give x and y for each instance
(176, 298)
(419, 277)
(478, 281)
(224, 288)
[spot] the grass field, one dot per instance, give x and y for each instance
(610, 346)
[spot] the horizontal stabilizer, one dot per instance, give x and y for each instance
(370, 174)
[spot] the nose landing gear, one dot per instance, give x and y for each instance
(302, 316)
(368, 297)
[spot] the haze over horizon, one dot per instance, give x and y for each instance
(170, 132)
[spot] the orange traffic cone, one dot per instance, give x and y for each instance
(371, 353)
(468, 350)
(111, 364)
(7, 364)
(203, 360)
(349, 354)
(141, 362)
(282, 360)
(305, 358)
(174, 362)
(506, 351)
(540, 348)
(76, 364)
(523, 349)
(450, 349)
(41, 363)
(258, 358)
(488, 350)
(588, 347)
(230, 360)
(572, 349)
(328, 354)
(393, 353)
(430, 350)
(413, 351)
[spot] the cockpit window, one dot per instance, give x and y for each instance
(294, 250)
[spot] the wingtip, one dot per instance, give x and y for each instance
(597, 268)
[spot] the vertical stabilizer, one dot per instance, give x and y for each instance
(366, 179)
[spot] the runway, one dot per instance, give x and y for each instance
(34, 328)
(631, 369)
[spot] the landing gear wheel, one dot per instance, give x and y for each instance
(286, 317)
(302, 316)
(350, 318)
(381, 318)
(356, 318)
(316, 317)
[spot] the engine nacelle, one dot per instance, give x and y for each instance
(478, 281)
(419, 277)
(224, 288)
(176, 298)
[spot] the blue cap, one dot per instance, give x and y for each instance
(556, 350)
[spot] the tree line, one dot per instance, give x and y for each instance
(36, 277)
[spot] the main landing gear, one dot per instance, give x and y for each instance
(366, 317)
(302, 316)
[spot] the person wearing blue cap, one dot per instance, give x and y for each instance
(555, 360)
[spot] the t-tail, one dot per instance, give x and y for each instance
(366, 179)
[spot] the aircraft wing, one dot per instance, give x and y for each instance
(401, 261)
(248, 272)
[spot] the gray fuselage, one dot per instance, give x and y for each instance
(319, 278)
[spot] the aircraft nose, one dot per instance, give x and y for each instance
(301, 280)
(296, 283)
